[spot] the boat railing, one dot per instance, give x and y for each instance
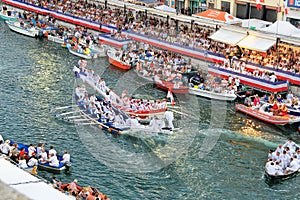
(248, 76)
(108, 36)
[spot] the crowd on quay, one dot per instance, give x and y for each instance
(153, 63)
(240, 67)
(80, 193)
(284, 160)
(33, 155)
(280, 57)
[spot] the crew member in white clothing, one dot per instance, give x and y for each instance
(31, 150)
(53, 161)
(32, 161)
(169, 117)
(66, 158)
(291, 145)
(134, 123)
(294, 166)
(156, 124)
(52, 151)
(271, 168)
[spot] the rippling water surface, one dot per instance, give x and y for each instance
(220, 153)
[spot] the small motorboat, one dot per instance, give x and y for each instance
(30, 31)
(114, 60)
(169, 86)
(46, 166)
(266, 116)
(223, 96)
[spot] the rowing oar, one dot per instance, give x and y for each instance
(83, 124)
(63, 107)
(66, 113)
(181, 113)
(174, 106)
(80, 120)
(71, 117)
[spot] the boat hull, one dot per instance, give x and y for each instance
(55, 39)
(114, 61)
(168, 86)
(46, 166)
(7, 18)
(14, 26)
(280, 178)
(81, 55)
(278, 120)
(212, 95)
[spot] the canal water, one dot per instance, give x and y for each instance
(219, 154)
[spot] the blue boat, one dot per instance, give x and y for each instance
(46, 166)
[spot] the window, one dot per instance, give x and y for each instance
(225, 6)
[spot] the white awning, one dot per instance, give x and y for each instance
(256, 43)
(27, 184)
(227, 36)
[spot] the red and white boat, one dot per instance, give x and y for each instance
(169, 86)
(146, 113)
(114, 60)
(263, 115)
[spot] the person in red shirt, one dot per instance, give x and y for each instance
(256, 101)
(275, 109)
(22, 152)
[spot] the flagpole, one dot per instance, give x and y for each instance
(277, 40)
(249, 15)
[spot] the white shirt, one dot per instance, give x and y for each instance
(134, 123)
(52, 151)
(169, 115)
(44, 155)
(31, 149)
(53, 161)
(22, 164)
(291, 145)
(32, 162)
(273, 78)
(66, 158)
(271, 169)
(5, 148)
(279, 170)
(294, 166)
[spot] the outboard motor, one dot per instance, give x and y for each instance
(40, 35)
(68, 166)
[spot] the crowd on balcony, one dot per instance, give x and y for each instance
(280, 57)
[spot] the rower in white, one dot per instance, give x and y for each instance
(156, 124)
(53, 161)
(294, 166)
(52, 151)
(169, 117)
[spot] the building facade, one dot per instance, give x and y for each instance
(271, 10)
